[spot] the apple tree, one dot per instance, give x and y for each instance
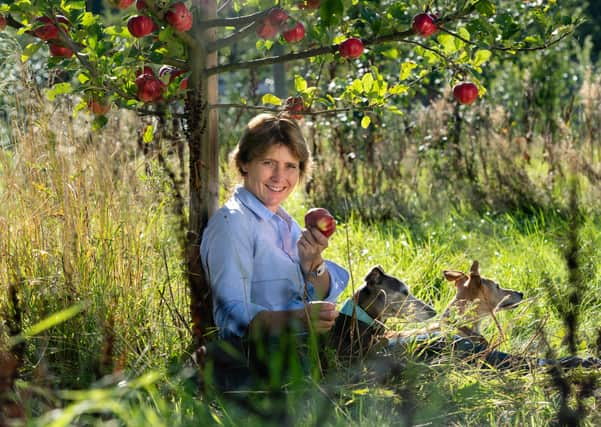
(163, 57)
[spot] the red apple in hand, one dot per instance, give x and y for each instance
(351, 48)
(465, 92)
(322, 219)
(179, 17)
(424, 24)
(140, 26)
(295, 34)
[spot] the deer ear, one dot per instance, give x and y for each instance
(475, 269)
(374, 276)
(452, 275)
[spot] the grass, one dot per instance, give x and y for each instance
(86, 221)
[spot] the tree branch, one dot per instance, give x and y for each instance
(398, 36)
(545, 45)
(271, 60)
(239, 21)
(218, 44)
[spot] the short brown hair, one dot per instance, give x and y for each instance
(266, 130)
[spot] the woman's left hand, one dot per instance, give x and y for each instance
(310, 246)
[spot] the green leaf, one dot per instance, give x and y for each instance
(368, 82)
(406, 69)
(269, 98)
(486, 8)
(448, 43)
(482, 55)
(83, 78)
(148, 134)
(300, 84)
(464, 33)
(29, 50)
(392, 53)
(365, 121)
(356, 86)
(398, 89)
(70, 5)
(58, 89)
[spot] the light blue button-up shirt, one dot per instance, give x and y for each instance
(250, 258)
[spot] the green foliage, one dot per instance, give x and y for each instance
(108, 57)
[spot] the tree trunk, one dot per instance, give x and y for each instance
(204, 170)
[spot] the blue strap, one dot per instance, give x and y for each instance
(362, 316)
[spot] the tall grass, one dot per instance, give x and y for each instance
(87, 220)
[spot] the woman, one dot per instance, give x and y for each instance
(266, 274)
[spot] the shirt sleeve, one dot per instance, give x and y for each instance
(227, 257)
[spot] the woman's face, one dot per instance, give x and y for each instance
(273, 176)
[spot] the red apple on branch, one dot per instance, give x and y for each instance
(295, 34)
(179, 17)
(351, 48)
(46, 29)
(2, 22)
(277, 16)
(150, 88)
(140, 4)
(295, 104)
(266, 30)
(60, 50)
(424, 24)
(322, 219)
(140, 25)
(465, 92)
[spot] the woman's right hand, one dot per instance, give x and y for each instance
(320, 316)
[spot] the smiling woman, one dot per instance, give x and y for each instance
(267, 275)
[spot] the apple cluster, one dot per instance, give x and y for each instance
(149, 87)
(178, 16)
(276, 21)
(47, 29)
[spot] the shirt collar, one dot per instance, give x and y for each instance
(251, 201)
